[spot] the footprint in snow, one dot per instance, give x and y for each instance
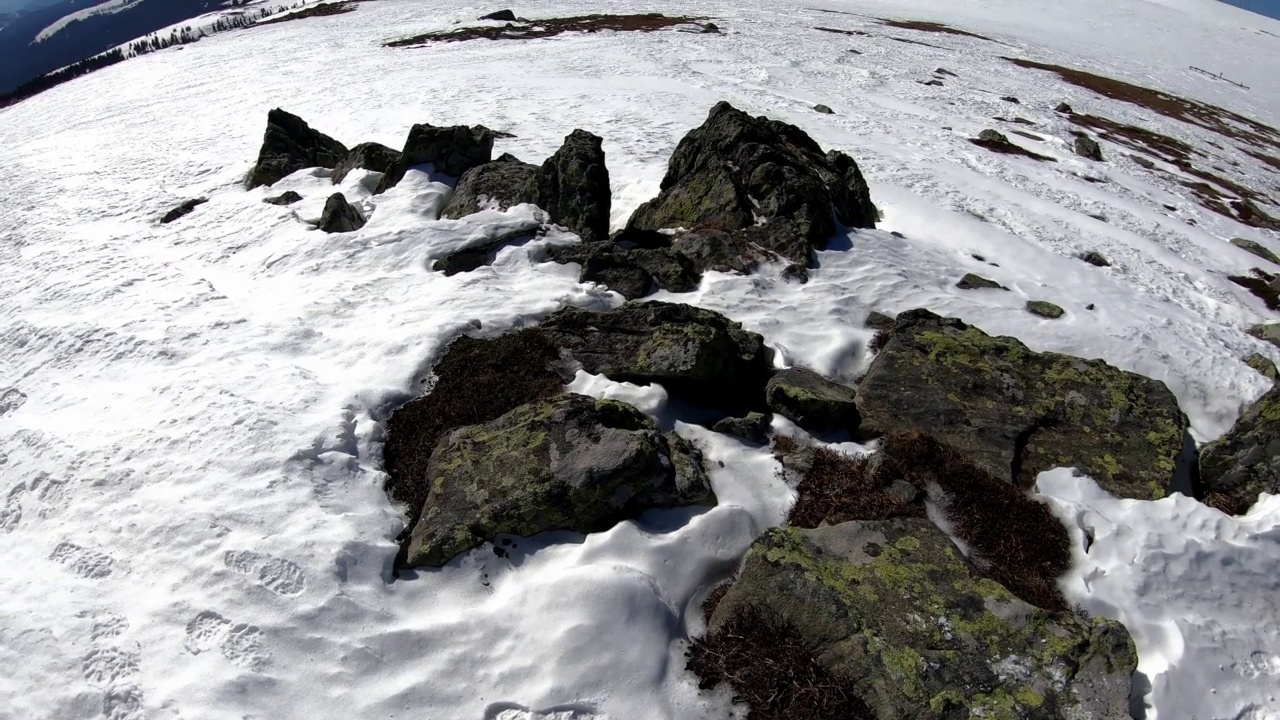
(513, 711)
(106, 664)
(240, 643)
(280, 576)
(85, 562)
(10, 400)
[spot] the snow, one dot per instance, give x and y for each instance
(110, 7)
(191, 509)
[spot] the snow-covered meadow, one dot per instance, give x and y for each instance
(191, 506)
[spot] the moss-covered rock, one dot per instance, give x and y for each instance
(1263, 365)
(1045, 309)
(501, 184)
(1257, 249)
(812, 401)
(735, 168)
(693, 352)
(753, 427)
(573, 186)
(1267, 333)
(1245, 461)
(972, 281)
(895, 611)
(1016, 412)
(631, 272)
(571, 463)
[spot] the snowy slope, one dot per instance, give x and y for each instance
(192, 516)
(110, 7)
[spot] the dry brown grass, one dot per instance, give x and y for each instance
(840, 487)
(760, 656)
(932, 27)
(647, 22)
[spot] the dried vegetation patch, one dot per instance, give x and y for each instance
(533, 29)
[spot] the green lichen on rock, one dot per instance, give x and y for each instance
(1245, 461)
(571, 463)
(812, 401)
(1045, 309)
(1267, 333)
(1016, 412)
(894, 610)
(1263, 365)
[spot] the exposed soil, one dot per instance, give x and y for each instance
(321, 10)
(648, 22)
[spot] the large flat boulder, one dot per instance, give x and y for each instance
(290, 145)
(736, 168)
(812, 401)
(572, 463)
(1245, 461)
(900, 619)
(1016, 413)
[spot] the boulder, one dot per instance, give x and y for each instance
(450, 150)
(812, 401)
(1267, 333)
(735, 168)
(877, 320)
(719, 251)
(290, 145)
(823, 109)
(573, 186)
(1245, 461)
(632, 273)
(340, 216)
(900, 618)
(499, 185)
(694, 352)
(477, 256)
(1011, 99)
(573, 463)
(1045, 309)
(971, 281)
(1016, 413)
(369, 156)
(1095, 258)
(1064, 109)
(501, 16)
(288, 197)
(753, 427)
(994, 137)
(1257, 249)
(182, 210)
(1263, 365)
(1088, 148)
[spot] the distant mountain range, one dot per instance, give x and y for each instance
(23, 57)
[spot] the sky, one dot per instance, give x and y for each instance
(1270, 8)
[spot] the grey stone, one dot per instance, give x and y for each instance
(288, 197)
(182, 210)
(971, 281)
(753, 426)
(501, 184)
(1245, 461)
(340, 216)
(290, 145)
(823, 109)
(812, 401)
(368, 156)
(1045, 309)
(450, 150)
(1088, 148)
(1257, 249)
(573, 186)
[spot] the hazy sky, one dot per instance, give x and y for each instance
(1270, 8)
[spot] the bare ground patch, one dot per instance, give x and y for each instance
(933, 27)
(321, 10)
(551, 27)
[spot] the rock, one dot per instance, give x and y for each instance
(753, 426)
(573, 186)
(710, 28)
(182, 210)
(993, 136)
(1088, 148)
(1045, 309)
(811, 401)
(719, 251)
(501, 16)
(879, 321)
(1257, 249)
(473, 258)
(904, 621)
(1144, 162)
(697, 353)
(572, 463)
(823, 109)
(1263, 365)
(796, 273)
(976, 282)
(735, 167)
(1267, 333)
(290, 145)
(288, 197)
(934, 82)
(1016, 413)
(1095, 258)
(339, 216)
(944, 71)
(450, 150)
(1064, 108)
(1245, 461)
(631, 273)
(1011, 99)
(501, 184)
(369, 156)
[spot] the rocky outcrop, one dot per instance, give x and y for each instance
(368, 156)
(1267, 333)
(631, 272)
(1045, 309)
(1095, 258)
(288, 197)
(573, 186)
(1088, 148)
(572, 463)
(501, 184)
(182, 210)
(1263, 365)
(1016, 413)
(450, 150)
(824, 109)
(812, 401)
(290, 145)
(1257, 249)
(735, 168)
(1245, 461)
(340, 216)
(697, 353)
(899, 617)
